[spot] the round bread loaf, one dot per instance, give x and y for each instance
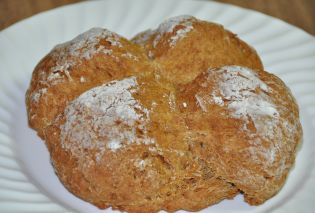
(181, 118)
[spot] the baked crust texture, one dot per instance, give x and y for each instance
(180, 117)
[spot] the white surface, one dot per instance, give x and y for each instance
(27, 180)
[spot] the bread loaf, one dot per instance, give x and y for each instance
(180, 117)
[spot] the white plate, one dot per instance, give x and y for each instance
(27, 180)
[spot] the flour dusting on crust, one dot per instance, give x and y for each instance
(245, 95)
(169, 25)
(84, 46)
(37, 94)
(71, 53)
(105, 118)
(180, 33)
(249, 99)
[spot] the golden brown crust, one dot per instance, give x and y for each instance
(164, 132)
(185, 47)
(254, 120)
(67, 71)
(161, 175)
